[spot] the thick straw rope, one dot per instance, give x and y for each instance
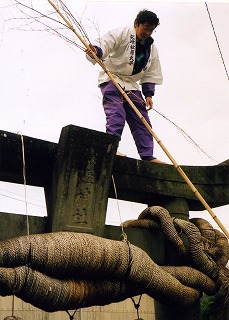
(64, 270)
(12, 318)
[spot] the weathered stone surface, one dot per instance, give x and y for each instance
(144, 182)
(81, 175)
(15, 225)
(136, 180)
(39, 158)
(76, 176)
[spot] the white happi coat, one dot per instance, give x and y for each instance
(119, 48)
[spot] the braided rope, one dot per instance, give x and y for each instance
(66, 270)
(12, 318)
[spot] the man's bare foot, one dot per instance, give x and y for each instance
(120, 154)
(155, 160)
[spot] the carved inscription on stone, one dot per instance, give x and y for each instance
(84, 197)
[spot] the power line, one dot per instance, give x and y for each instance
(213, 28)
(18, 194)
(37, 205)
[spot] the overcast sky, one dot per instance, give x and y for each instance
(46, 84)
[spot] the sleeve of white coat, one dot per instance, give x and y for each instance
(110, 41)
(153, 73)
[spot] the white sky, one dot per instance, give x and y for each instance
(46, 85)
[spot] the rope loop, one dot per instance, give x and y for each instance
(71, 316)
(124, 237)
(137, 306)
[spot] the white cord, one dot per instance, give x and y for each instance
(119, 212)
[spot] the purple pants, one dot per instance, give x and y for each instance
(117, 111)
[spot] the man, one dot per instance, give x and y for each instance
(131, 56)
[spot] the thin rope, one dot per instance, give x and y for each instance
(24, 180)
(137, 305)
(71, 316)
(26, 207)
(13, 298)
(184, 134)
(216, 38)
(119, 212)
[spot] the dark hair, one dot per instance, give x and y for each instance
(147, 16)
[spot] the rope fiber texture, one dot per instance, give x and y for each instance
(67, 270)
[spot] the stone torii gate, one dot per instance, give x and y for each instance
(76, 176)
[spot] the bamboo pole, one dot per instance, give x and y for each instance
(179, 169)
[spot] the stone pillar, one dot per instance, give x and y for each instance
(77, 199)
(163, 312)
(178, 208)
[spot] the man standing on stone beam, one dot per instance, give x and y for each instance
(131, 56)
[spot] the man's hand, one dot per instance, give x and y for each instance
(89, 51)
(149, 103)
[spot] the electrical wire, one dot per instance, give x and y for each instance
(216, 38)
(13, 198)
